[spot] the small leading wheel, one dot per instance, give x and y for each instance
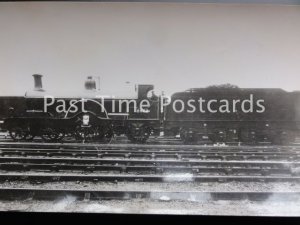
(18, 133)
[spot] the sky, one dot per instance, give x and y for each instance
(174, 46)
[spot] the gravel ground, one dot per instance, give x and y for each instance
(270, 207)
(167, 186)
(69, 204)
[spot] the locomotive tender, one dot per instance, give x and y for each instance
(222, 113)
(234, 114)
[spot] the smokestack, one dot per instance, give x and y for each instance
(38, 86)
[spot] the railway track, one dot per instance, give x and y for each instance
(38, 163)
(90, 195)
(149, 166)
(210, 154)
(227, 156)
(138, 150)
(140, 159)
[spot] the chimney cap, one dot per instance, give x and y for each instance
(37, 75)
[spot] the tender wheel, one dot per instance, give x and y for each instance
(17, 133)
(288, 137)
(218, 135)
(188, 136)
(231, 135)
(283, 138)
(247, 136)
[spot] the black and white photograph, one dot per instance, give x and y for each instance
(170, 108)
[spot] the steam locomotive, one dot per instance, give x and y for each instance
(223, 113)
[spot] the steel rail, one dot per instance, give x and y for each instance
(146, 169)
(58, 177)
(99, 161)
(118, 146)
(152, 155)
